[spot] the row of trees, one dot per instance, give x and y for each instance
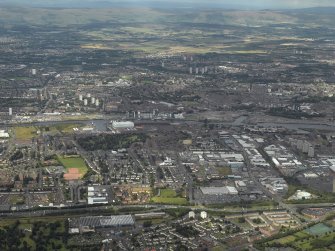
(43, 235)
(110, 141)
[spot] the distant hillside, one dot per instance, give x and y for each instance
(65, 17)
(316, 10)
(168, 4)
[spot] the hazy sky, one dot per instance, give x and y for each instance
(272, 4)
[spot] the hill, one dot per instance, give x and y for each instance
(64, 17)
(60, 17)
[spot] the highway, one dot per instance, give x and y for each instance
(146, 208)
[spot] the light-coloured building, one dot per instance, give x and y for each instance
(123, 124)
(311, 152)
(97, 195)
(4, 134)
(191, 214)
(226, 190)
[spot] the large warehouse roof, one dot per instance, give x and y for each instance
(218, 190)
(122, 124)
(103, 221)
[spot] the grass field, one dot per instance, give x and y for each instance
(257, 205)
(170, 201)
(224, 171)
(167, 193)
(169, 196)
(62, 128)
(317, 237)
(29, 132)
(318, 229)
(25, 133)
(74, 162)
(16, 199)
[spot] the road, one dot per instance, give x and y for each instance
(288, 207)
(147, 208)
(83, 153)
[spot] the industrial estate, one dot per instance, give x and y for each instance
(167, 129)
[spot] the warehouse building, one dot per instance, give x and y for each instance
(92, 223)
(97, 195)
(123, 125)
(4, 134)
(226, 190)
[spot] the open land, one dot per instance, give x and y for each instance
(182, 129)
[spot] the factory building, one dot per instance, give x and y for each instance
(4, 134)
(97, 195)
(227, 190)
(91, 223)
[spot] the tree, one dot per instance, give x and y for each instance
(147, 224)
(241, 220)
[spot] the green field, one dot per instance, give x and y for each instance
(62, 128)
(168, 193)
(256, 205)
(169, 196)
(170, 201)
(145, 30)
(224, 171)
(74, 162)
(16, 199)
(318, 229)
(24, 133)
(317, 237)
(29, 132)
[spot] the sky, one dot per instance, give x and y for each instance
(243, 4)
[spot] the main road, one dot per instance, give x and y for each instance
(96, 210)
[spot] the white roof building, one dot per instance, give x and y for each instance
(4, 134)
(227, 190)
(122, 124)
(191, 214)
(203, 215)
